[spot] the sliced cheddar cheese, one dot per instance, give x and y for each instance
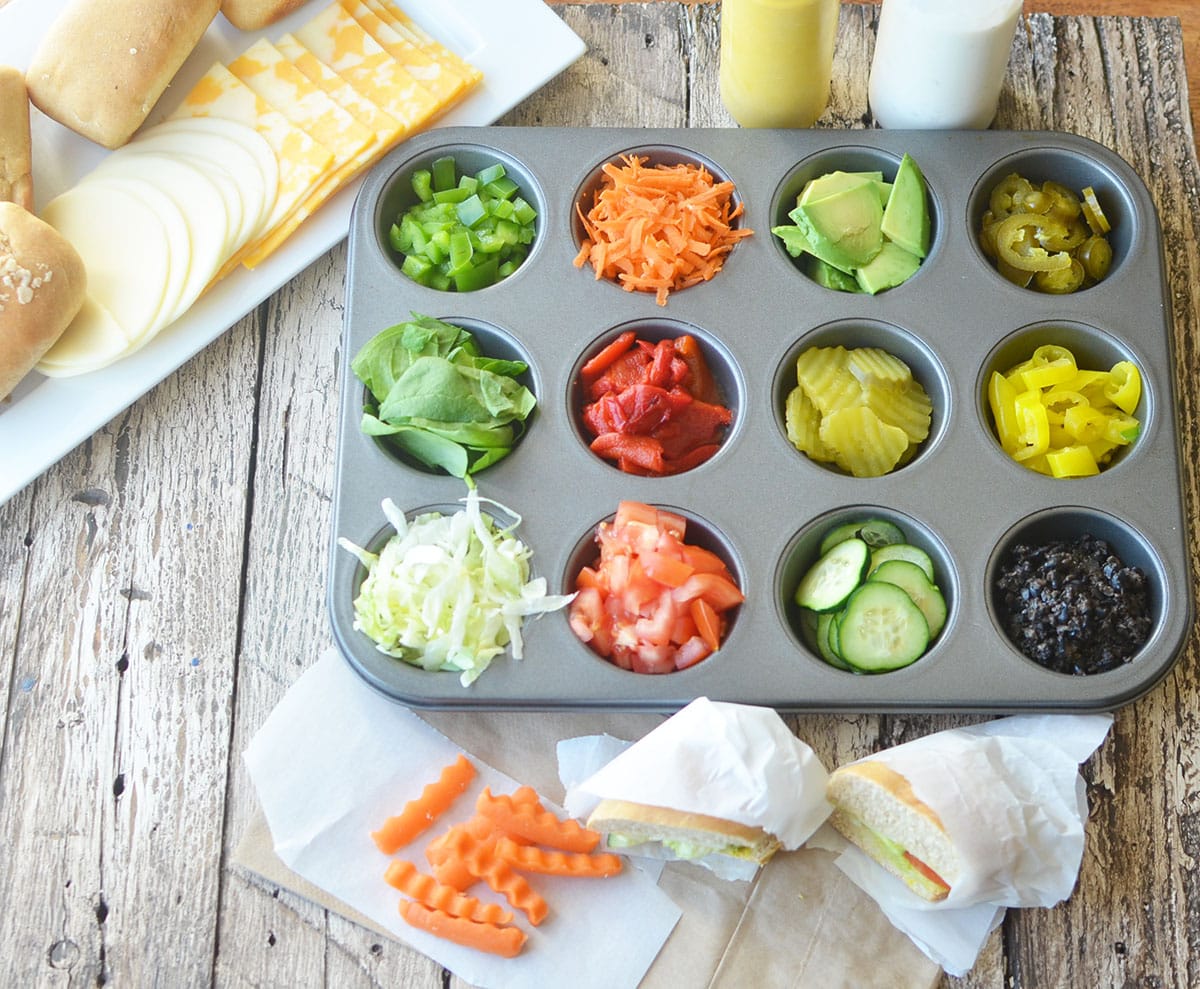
(303, 161)
(266, 71)
(386, 128)
(446, 86)
(394, 14)
(339, 41)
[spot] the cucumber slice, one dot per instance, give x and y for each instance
(809, 624)
(874, 532)
(911, 579)
(881, 629)
(880, 532)
(834, 576)
(827, 640)
(901, 551)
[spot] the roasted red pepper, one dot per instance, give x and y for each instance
(653, 408)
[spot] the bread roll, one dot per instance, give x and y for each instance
(42, 286)
(16, 156)
(102, 66)
(250, 15)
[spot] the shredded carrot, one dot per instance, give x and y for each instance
(420, 813)
(480, 859)
(659, 229)
(424, 888)
(534, 823)
(492, 938)
(531, 858)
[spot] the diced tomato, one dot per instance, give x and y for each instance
(669, 571)
(708, 622)
(691, 652)
(643, 604)
(635, 511)
(671, 522)
(650, 658)
(927, 872)
(717, 590)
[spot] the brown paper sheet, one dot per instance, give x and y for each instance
(801, 923)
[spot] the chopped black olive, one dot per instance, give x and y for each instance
(1073, 606)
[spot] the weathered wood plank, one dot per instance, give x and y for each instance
(117, 736)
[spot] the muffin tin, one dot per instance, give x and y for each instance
(759, 502)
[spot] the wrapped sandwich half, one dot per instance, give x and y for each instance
(723, 785)
(992, 814)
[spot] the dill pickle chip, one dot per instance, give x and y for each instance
(824, 374)
(864, 445)
(874, 366)
(908, 408)
(803, 423)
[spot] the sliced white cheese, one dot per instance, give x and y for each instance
(243, 167)
(200, 203)
(93, 340)
(129, 246)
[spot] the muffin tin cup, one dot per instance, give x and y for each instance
(762, 497)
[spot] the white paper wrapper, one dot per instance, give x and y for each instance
(1010, 796)
(734, 761)
(325, 783)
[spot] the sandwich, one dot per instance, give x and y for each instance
(875, 808)
(721, 785)
(679, 834)
(986, 814)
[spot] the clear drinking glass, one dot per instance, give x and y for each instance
(940, 64)
(777, 60)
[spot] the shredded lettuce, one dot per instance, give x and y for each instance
(449, 592)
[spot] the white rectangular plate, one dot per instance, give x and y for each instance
(520, 45)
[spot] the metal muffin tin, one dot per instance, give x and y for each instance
(759, 502)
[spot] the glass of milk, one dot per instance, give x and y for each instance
(939, 64)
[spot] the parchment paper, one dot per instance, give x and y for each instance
(801, 923)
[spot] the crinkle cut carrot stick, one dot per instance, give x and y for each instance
(480, 859)
(531, 858)
(504, 941)
(535, 824)
(405, 876)
(418, 814)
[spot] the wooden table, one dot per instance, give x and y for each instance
(162, 586)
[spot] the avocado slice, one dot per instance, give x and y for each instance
(793, 240)
(906, 217)
(830, 277)
(843, 229)
(889, 268)
(834, 182)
